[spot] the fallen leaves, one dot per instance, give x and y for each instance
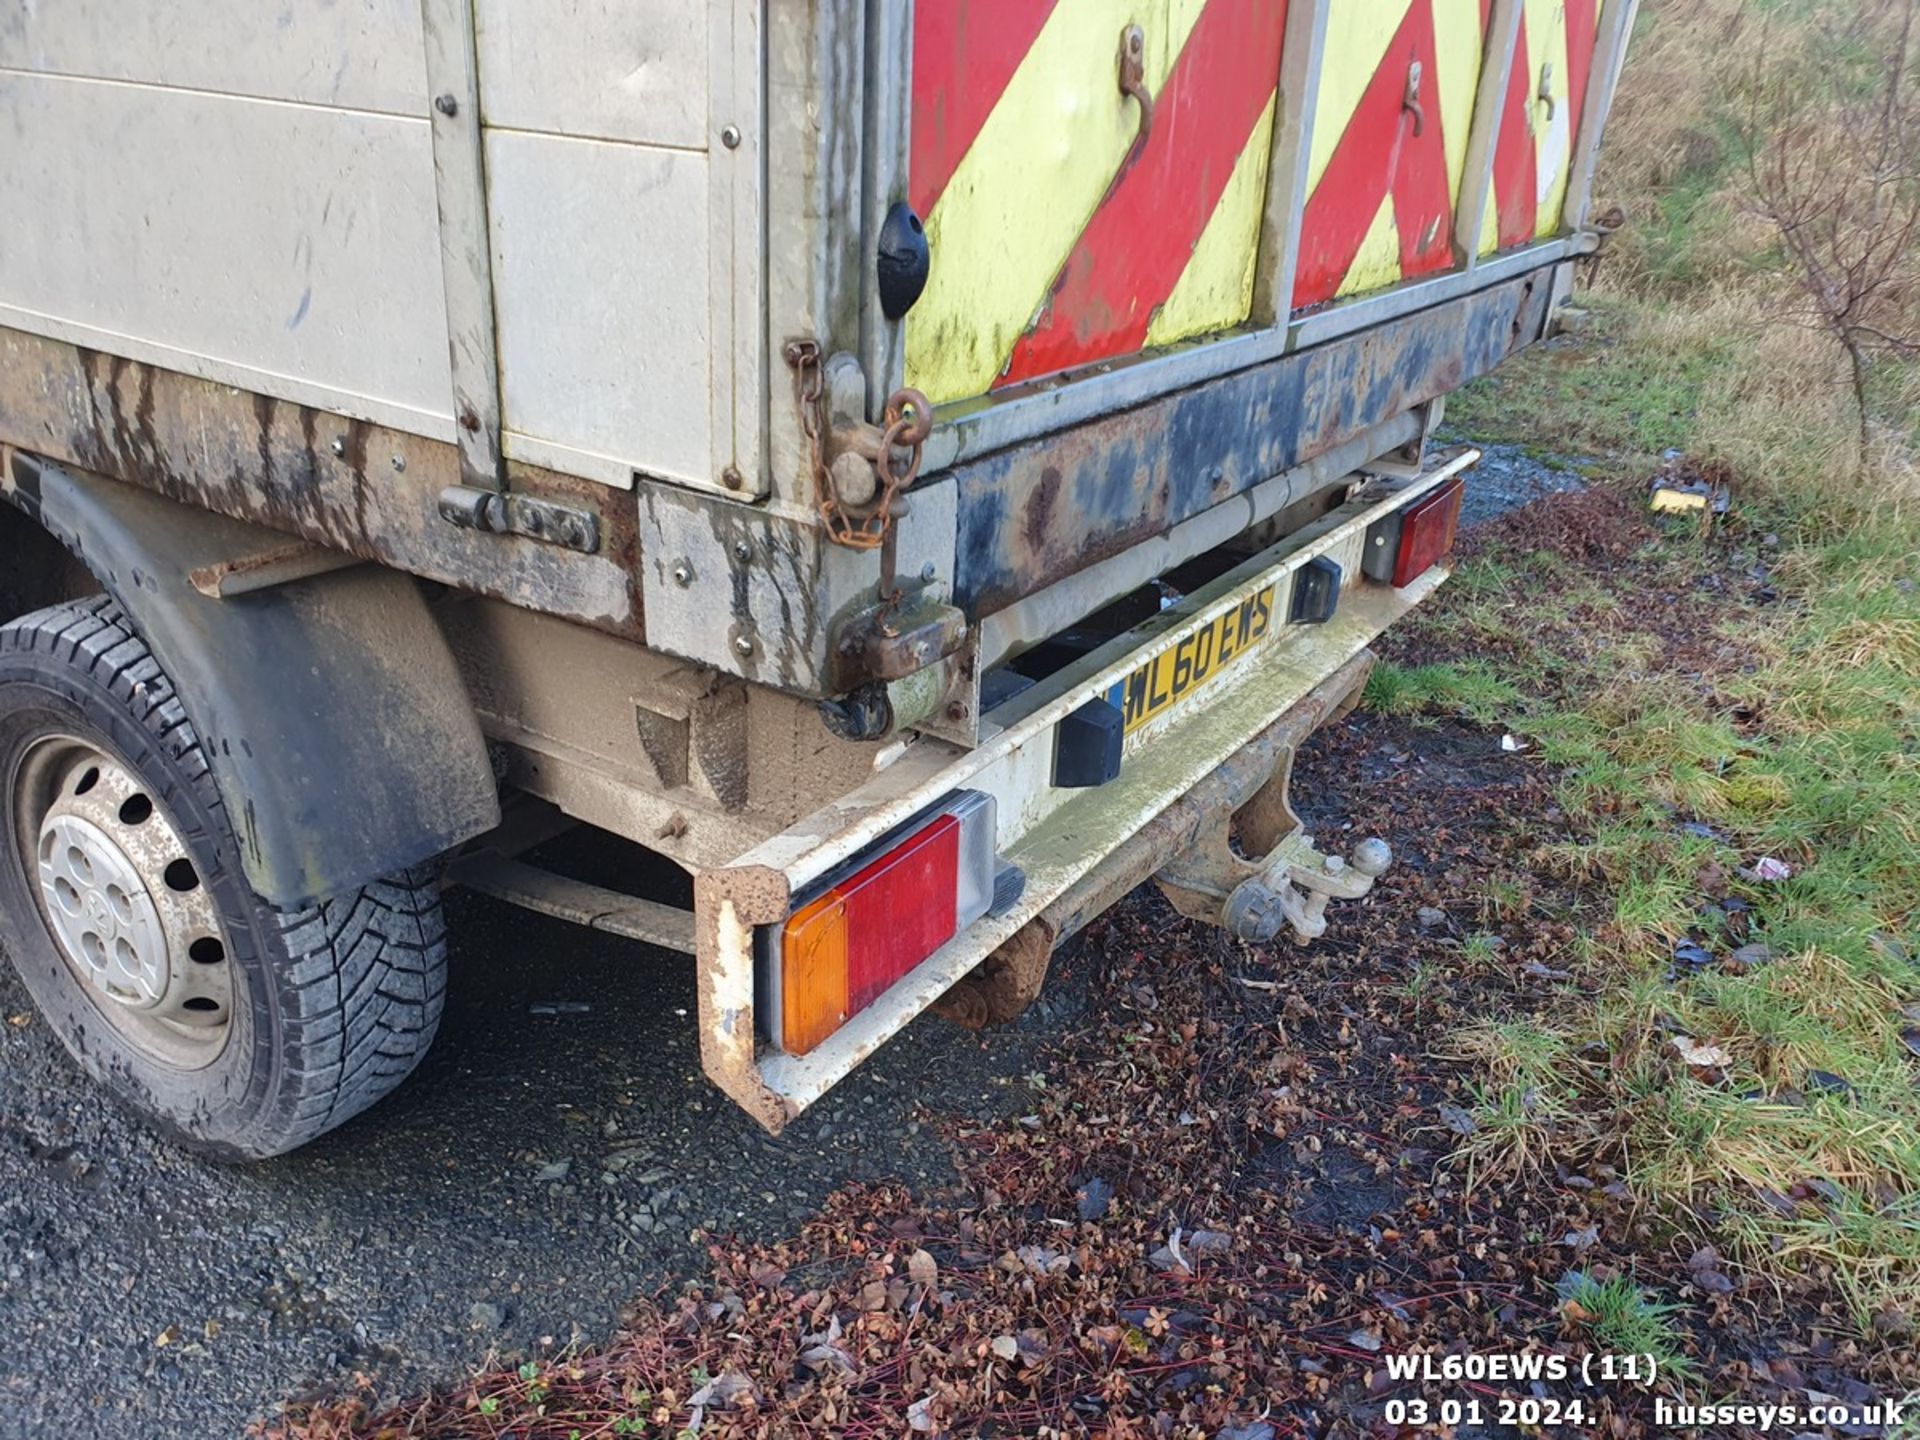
(1701, 1053)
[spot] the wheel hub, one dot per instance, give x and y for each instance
(101, 913)
(124, 903)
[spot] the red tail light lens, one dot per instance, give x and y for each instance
(1406, 544)
(1427, 528)
(900, 910)
(840, 951)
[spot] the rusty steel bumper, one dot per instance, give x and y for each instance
(1080, 849)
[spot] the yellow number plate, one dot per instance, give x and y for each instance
(1174, 674)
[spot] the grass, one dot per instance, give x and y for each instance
(1802, 1151)
(1789, 731)
(1624, 1320)
(1471, 690)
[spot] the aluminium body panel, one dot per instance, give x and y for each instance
(291, 249)
(292, 53)
(634, 71)
(255, 204)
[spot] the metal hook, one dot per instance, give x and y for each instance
(1411, 101)
(1545, 94)
(1133, 80)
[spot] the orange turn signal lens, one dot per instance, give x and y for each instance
(813, 975)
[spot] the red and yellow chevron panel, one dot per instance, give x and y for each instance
(1057, 240)
(1389, 143)
(1539, 118)
(1062, 238)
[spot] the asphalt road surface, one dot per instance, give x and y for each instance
(536, 1173)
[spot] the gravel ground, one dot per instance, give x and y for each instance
(535, 1174)
(1509, 476)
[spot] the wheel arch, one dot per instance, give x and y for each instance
(337, 727)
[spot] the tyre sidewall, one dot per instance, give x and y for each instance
(213, 1108)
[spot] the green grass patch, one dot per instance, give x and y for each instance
(1471, 689)
(1798, 1148)
(1620, 395)
(1625, 1320)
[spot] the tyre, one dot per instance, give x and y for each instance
(238, 1028)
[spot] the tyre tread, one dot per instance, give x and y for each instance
(360, 977)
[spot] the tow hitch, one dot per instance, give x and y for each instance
(1255, 870)
(1291, 888)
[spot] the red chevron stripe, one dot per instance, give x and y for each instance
(1138, 243)
(1516, 165)
(1583, 21)
(964, 53)
(1379, 154)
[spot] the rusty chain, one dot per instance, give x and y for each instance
(907, 421)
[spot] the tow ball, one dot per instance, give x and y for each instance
(1254, 870)
(1296, 885)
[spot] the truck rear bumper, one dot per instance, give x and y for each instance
(1079, 849)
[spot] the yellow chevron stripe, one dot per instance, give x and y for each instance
(1027, 187)
(1215, 291)
(1378, 260)
(1358, 33)
(1552, 137)
(1458, 44)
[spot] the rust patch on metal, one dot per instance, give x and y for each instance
(341, 484)
(999, 989)
(262, 569)
(753, 895)
(1033, 514)
(1039, 518)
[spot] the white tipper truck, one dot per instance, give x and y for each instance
(918, 466)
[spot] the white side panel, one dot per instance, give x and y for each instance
(288, 248)
(357, 54)
(608, 69)
(600, 278)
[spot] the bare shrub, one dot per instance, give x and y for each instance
(1830, 133)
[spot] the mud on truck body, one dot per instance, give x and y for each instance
(919, 468)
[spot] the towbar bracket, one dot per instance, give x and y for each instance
(1287, 882)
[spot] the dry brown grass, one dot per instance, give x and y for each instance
(1699, 270)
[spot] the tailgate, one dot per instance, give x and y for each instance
(1100, 179)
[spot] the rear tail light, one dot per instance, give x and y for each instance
(886, 911)
(1408, 543)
